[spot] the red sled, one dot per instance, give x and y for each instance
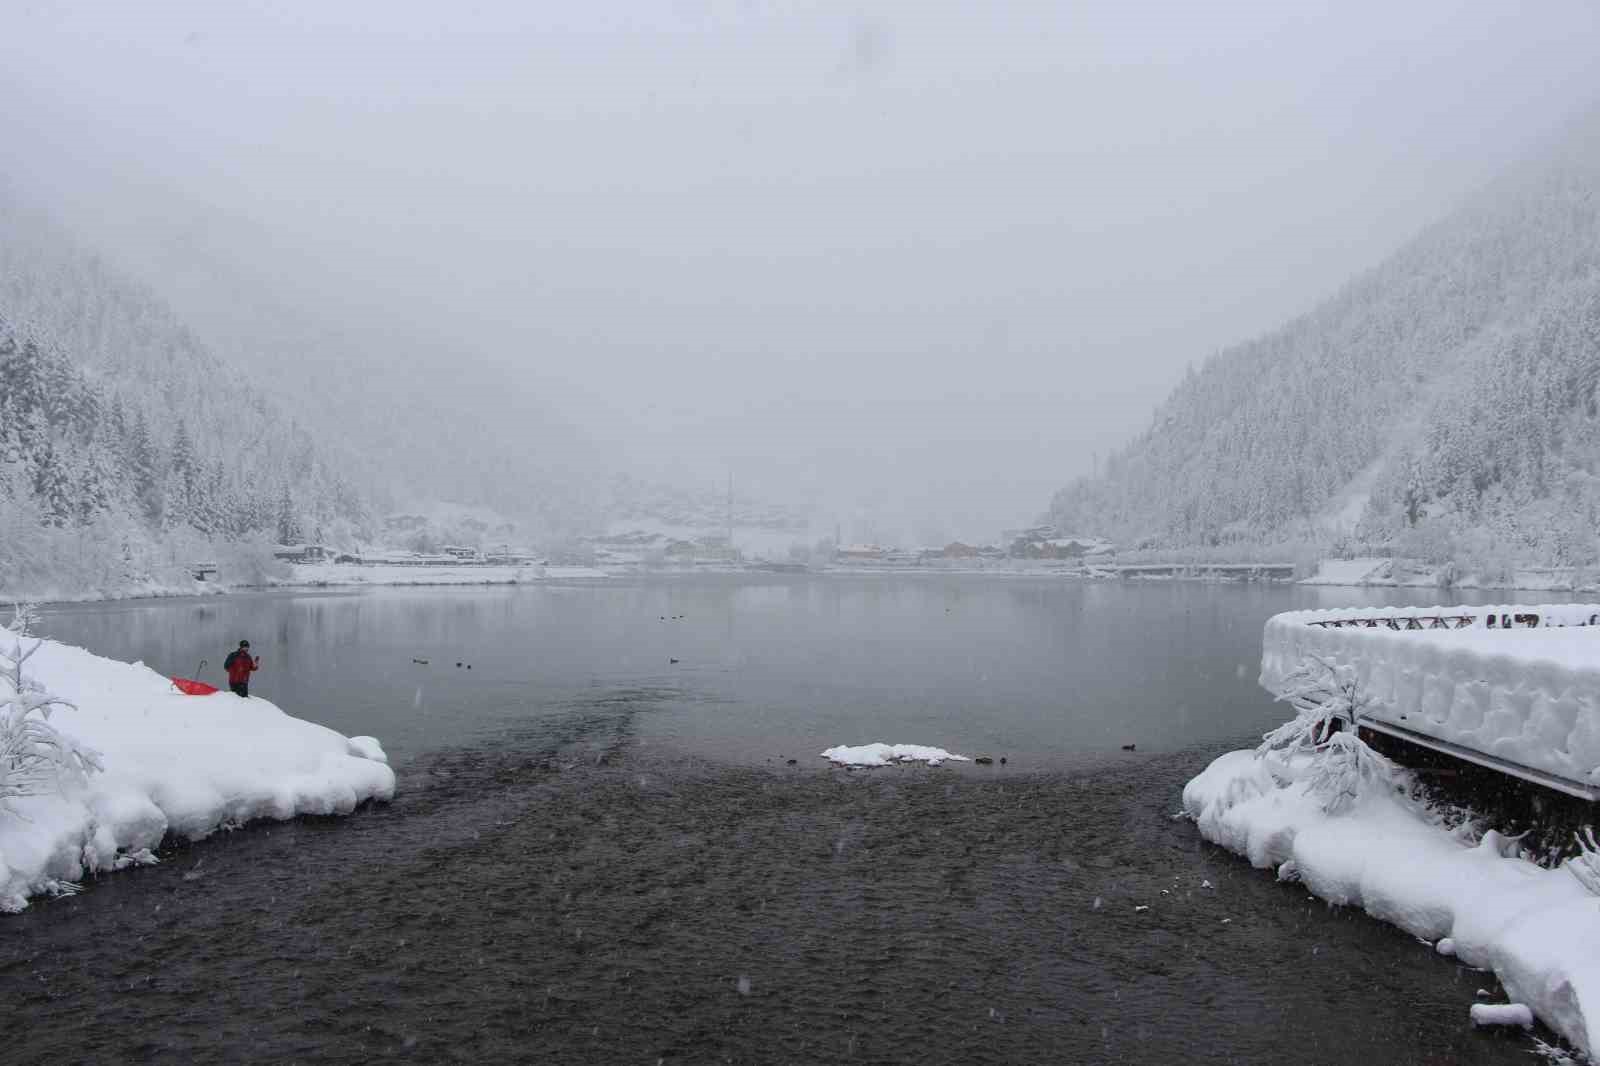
(190, 687)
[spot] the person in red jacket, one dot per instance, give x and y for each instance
(240, 666)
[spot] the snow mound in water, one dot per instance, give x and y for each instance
(1537, 929)
(884, 754)
(186, 765)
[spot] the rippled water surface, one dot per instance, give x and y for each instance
(599, 856)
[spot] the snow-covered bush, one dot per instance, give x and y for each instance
(1322, 694)
(1327, 702)
(1344, 769)
(1431, 540)
(249, 561)
(1489, 557)
(35, 757)
(1585, 865)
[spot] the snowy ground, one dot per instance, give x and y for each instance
(184, 765)
(136, 590)
(1350, 572)
(1377, 572)
(1537, 929)
(381, 574)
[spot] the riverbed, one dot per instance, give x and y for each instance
(601, 855)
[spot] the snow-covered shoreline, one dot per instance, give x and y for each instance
(1332, 573)
(174, 765)
(330, 575)
(322, 576)
(348, 575)
(1536, 929)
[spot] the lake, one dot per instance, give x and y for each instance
(1046, 672)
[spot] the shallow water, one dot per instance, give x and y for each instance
(591, 859)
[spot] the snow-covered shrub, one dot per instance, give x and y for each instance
(1431, 540)
(35, 757)
(1321, 694)
(1327, 702)
(1344, 768)
(1491, 558)
(1585, 865)
(248, 561)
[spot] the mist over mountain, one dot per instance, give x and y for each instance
(1442, 402)
(133, 443)
(128, 449)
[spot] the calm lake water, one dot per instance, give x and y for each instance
(597, 855)
(1046, 672)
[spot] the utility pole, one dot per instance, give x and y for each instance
(730, 513)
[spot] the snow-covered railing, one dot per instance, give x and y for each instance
(1513, 687)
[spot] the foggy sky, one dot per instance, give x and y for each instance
(908, 263)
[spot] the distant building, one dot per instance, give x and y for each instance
(458, 551)
(861, 553)
(1059, 547)
(507, 556)
(303, 553)
(405, 523)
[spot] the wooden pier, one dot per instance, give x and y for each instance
(1229, 571)
(1509, 689)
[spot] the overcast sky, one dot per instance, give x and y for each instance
(910, 262)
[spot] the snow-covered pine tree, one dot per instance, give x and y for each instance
(288, 521)
(142, 469)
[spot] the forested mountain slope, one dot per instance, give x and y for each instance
(129, 448)
(64, 310)
(1456, 380)
(126, 448)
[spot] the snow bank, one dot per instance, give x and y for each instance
(884, 754)
(1537, 929)
(1531, 696)
(1413, 573)
(1363, 571)
(185, 765)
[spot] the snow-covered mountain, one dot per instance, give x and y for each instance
(94, 360)
(1442, 405)
(130, 446)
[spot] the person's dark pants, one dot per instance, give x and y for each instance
(240, 688)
